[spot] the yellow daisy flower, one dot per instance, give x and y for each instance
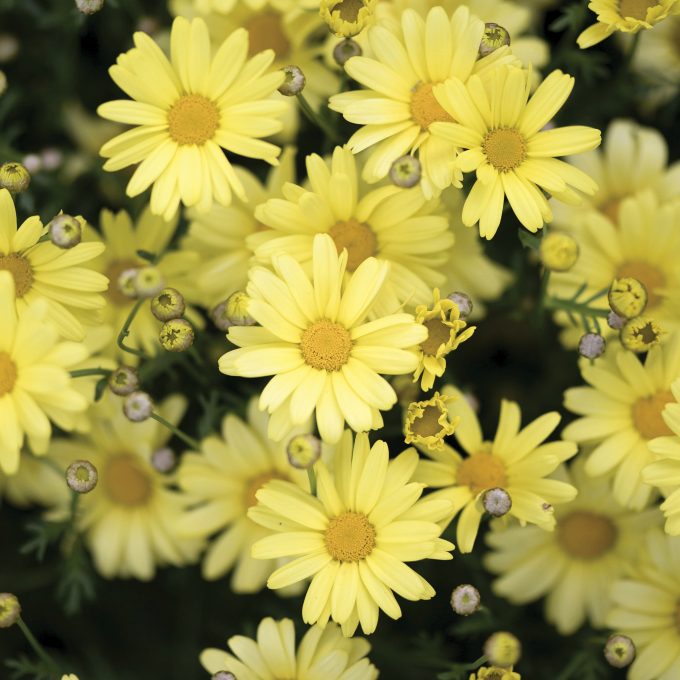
(621, 411)
(397, 107)
(35, 384)
(130, 518)
(355, 537)
(628, 16)
(315, 340)
(42, 270)
(595, 542)
(501, 128)
(220, 237)
(222, 480)
(517, 461)
(186, 111)
(445, 332)
(646, 609)
(322, 653)
(393, 225)
(664, 472)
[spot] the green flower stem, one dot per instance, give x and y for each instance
(189, 441)
(316, 119)
(84, 372)
(37, 647)
(312, 480)
(628, 59)
(574, 308)
(125, 331)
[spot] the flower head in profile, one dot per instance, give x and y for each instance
(355, 538)
(347, 17)
(186, 110)
(500, 127)
(322, 653)
(314, 338)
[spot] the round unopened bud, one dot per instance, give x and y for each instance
(497, 502)
(503, 649)
(149, 281)
(138, 406)
(176, 335)
(345, 50)
(627, 297)
(619, 651)
(494, 36)
(465, 600)
(51, 158)
(65, 231)
(303, 451)
(127, 282)
(294, 81)
(81, 476)
(14, 177)
(559, 251)
(463, 302)
(10, 610)
(235, 310)
(89, 6)
(164, 460)
(223, 675)
(640, 334)
(406, 172)
(123, 381)
(591, 345)
(3, 82)
(168, 304)
(615, 321)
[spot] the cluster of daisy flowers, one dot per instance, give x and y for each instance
(348, 279)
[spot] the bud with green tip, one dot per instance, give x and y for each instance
(81, 476)
(619, 651)
(65, 231)
(303, 451)
(10, 610)
(138, 406)
(176, 335)
(406, 172)
(345, 50)
(168, 304)
(294, 81)
(14, 177)
(234, 312)
(127, 282)
(493, 38)
(148, 282)
(123, 381)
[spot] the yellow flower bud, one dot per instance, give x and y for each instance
(14, 177)
(559, 251)
(346, 18)
(627, 297)
(640, 334)
(503, 649)
(427, 422)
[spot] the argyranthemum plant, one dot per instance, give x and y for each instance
(516, 461)
(499, 124)
(315, 340)
(186, 110)
(323, 653)
(355, 538)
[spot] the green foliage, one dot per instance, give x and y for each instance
(24, 667)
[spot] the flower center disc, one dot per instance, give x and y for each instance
(256, 483)
(358, 238)
(647, 275)
(586, 535)
(350, 537)
(349, 9)
(113, 272)
(265, 32)
(428, 424)
(326, 345)
(482, 471)
(193, 119)
(8, 374)
(20, 269)
(505, 148)
(438, 334)
(647, 415)
(425, 109)
(125, 481)
(636, 9)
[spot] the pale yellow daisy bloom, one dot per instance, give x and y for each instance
(596, 540)
(397, 105)
(500, 125)
(35, 384)
(222, 480)
(323, 654)
(42, 270)
(186, 110)
(516, 460)
(393, 225)
(646, 609)
(628, 16)
(355, 537)
(621, 411)
(315, 340)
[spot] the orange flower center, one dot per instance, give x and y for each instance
(125, 481)
(265, 32)
(349, 9)
(482, 471)
(357, 237)
(8, 374)
(647, 416)
(646, 274)
(505, 148)
(256, 483)
(636, 9)
(586, 535)
(425, 109)
(20, 269)
(350, 537)
(113, 271)
(326, 345)
(193, 119)
(438, 334)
